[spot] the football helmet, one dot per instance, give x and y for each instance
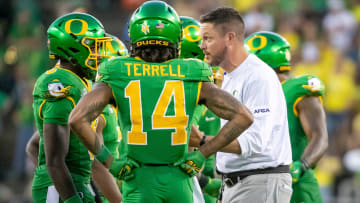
(78, 38)
(155, 23)
(270, 47)
(190, 43)
(115, 47)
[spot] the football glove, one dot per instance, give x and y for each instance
(191, 163)
(123, 169)
(297, 169)
(213, 187)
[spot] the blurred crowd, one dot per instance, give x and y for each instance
(325, 40)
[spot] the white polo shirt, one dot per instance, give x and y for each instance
(266, 143)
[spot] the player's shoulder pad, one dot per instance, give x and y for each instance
(57, 84)
(113, 66)
(197, 69)
(312, 85)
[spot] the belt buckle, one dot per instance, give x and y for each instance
(229, 182)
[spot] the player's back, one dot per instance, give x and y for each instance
(55, 94)
(156, 102)
(295, 89)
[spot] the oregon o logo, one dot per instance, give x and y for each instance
(263, 42)
(187, 33)
(84, 26)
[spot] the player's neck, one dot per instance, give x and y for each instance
(234, 58)
(69, 66)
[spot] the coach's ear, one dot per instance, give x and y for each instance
(230, 38)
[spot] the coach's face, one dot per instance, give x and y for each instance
(213, 44)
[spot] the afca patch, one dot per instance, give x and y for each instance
(264, 110)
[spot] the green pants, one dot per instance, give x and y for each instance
(158, 184)
(49, 194)
(306, 189)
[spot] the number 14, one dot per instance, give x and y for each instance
(159, 118)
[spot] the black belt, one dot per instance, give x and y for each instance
(231, 179)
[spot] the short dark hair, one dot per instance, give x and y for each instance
(227, 18)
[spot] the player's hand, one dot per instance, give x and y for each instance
(195, 136)
(296, 171)
(213, 187)
(123, 169)
(191, 163)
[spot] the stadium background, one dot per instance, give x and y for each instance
(325, 40)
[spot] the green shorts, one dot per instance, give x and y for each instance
(157, 184)
(306, 189)
(50, 194)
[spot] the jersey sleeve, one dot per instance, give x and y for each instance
(313, 86)
(197, 70)
(206, 72)
(57, 111)
(103, 73)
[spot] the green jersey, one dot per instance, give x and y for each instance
(55, 94)
(209, 124)
(156, 102)
(295, 89)
(111, 132)
(199, 109)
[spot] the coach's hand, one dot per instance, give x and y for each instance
(296, 171)
(123, 169)
(191, 163)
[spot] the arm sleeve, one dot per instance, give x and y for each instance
(257, 97)
(57, 111)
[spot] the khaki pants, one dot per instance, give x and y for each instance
(261, 188)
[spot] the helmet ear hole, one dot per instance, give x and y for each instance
(73, 50)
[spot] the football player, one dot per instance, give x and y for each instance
(156, 95)
(306, 115)
(64, 163)
(190, 48)
(109, 130)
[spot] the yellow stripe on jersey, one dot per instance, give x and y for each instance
(198, 94)
(41, 105)
(71, 99)
(294, 106)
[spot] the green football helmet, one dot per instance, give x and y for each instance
(115, 47)
(190, 43)
(270, 47)
(155, 23)
(78, 38)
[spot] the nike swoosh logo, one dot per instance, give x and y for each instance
(209, 118)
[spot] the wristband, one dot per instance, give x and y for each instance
(203, 140)
(203, 181)
(103, 154)
(73, 199)
(304, 165)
